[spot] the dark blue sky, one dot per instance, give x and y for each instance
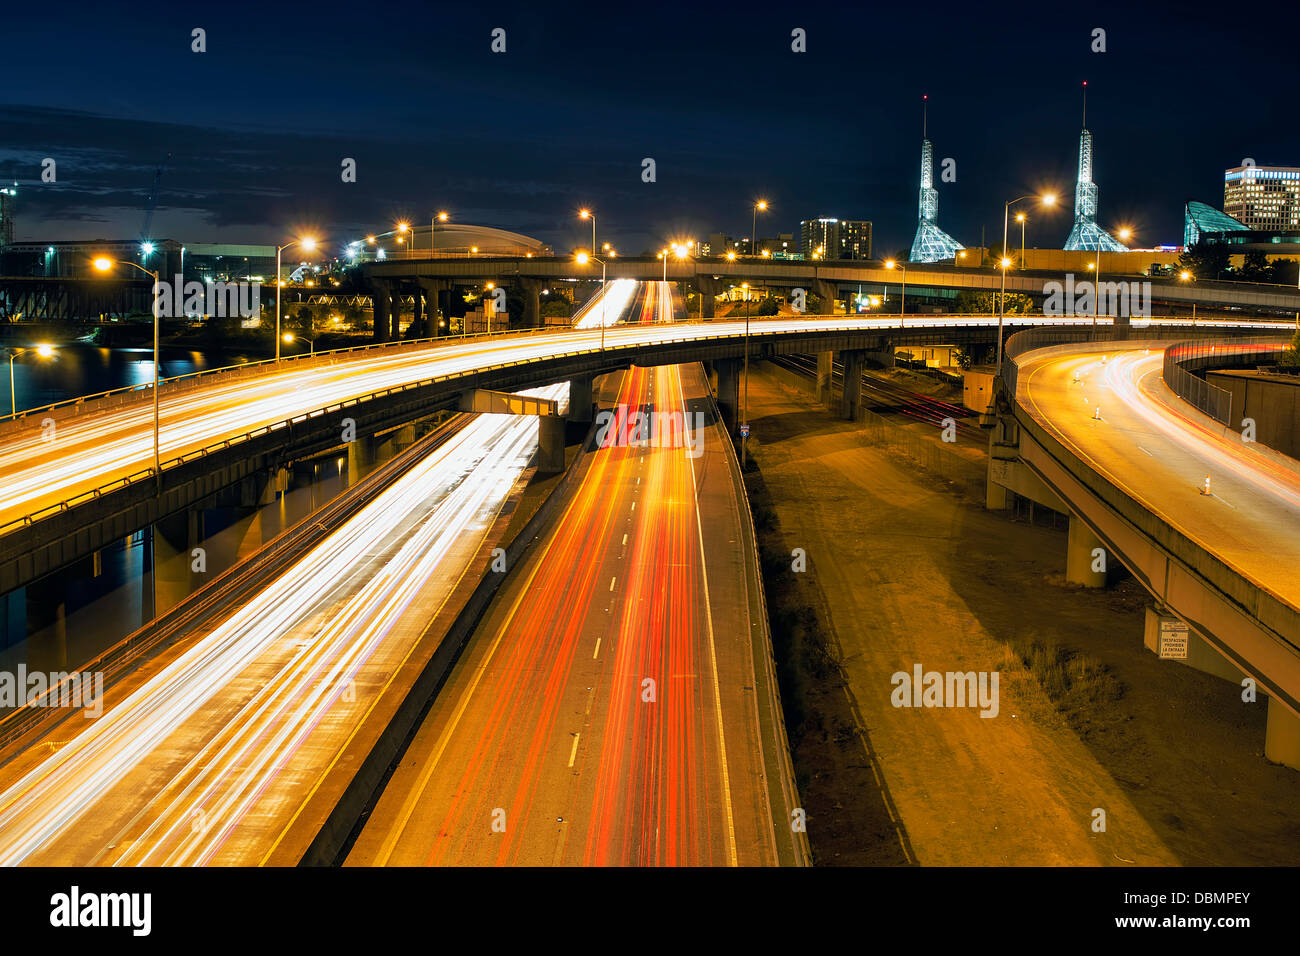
(259, 123)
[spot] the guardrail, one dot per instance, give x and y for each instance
(146, 474)
(1217, 353)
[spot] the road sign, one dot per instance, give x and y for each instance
(1173, 640)
(744, 431)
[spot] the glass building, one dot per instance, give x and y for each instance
(1263, 198)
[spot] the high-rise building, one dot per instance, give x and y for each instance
(1263, 198)
(855, 239)
(819, 238)
(835, 238)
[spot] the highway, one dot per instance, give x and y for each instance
(91, 450)
(1147, 443)
(609, 710)
(205, 755)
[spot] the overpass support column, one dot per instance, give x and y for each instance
(433, 310)
(381, 296)
(580, 399)
(728, 393)
(1282, 735)
(1084, 554)
(550, 444)
(825, 365)
(709, 288)
(363, 452)
(828, 292)
(174, 540)
(416, 329)
(855, 362)
(531, 290)
(396, 314)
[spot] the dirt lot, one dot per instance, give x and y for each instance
(902, 570)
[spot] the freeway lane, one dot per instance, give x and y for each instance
(1145, 443)
(606, 712)
(207, 754)
(93, 449)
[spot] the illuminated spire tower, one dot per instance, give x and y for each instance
(1086, 234)
(931, 244)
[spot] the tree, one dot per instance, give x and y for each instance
(1257, 268)
(1205, 261)
(975, 302)
(767, 306)
(1289, 358)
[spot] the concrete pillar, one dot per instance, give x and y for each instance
(380, 296)
(396, 315)
(709, 288)
(248, 532)
(1080, 558)
(416, 328)
(828, 292)
(363, 452)
(174, 540)
(47, 624)
(434, 309)
(550, 444)
(825, 365)
(580, 399)
(1282, 735)
(854, 362)
(531, 290)
(728, 393)
(884, 357)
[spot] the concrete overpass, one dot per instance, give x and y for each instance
(78, 476)
(1088, 427)
(431, 277)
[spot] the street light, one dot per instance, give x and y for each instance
(588, 214)
(42, 350)
(308, 243)
(760, 206)
(311, 343)
(104, 264)
(902, 304)
(1186, 276)
(1020, 218)
(582, 259)
(1046, 199)
(433, 228)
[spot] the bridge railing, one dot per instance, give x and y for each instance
(127, 393)
(1181, 359)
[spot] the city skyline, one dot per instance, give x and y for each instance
(250, 165)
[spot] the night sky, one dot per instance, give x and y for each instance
(259, 124)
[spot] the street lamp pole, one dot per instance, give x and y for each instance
(760, 206)
(44, 351)
(1046, 199)
(307, 243)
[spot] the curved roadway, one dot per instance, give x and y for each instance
(98, 447)
(1112, 409)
